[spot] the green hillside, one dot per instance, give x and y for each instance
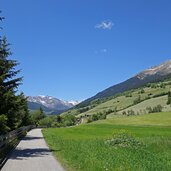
(138, 100)
(128, 132)
(140, 108)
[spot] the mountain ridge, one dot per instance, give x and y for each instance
(49, 104)
(153, 74)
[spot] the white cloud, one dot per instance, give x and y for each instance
(104, 50)
(107, 24)
(101, 51)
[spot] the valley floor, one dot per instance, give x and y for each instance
(86, 147)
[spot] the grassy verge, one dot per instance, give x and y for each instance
(84, 147)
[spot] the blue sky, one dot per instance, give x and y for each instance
(72, 49)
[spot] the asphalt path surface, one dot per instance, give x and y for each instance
(32, 154)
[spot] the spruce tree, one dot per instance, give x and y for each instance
(13, 107)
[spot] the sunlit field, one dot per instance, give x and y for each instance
(136, 143)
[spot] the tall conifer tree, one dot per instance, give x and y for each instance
(13, 107)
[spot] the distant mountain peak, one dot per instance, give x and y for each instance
(49, 103)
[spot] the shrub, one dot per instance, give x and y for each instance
(109, 111)
(157, 108)
(124, 139)
(130, 112)
(124, 113)
(97, 116)
(46, 122)
(149, 109)
(36, 116)
(68, 120)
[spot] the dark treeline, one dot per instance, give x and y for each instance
(13, 105)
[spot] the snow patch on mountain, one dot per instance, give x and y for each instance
(74, 102)
(51, 103)
(163, 69)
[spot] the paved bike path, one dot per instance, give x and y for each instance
(32, 154)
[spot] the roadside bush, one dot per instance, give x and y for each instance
(46, 122)
(36, 116)
(56, 124)
(68, 120)
(57, 121)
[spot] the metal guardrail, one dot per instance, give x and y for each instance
(10, 140)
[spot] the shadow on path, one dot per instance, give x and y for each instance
(21, 154)
(31, 138)
(32, 154)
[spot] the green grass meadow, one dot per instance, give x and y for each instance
(84, 147)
